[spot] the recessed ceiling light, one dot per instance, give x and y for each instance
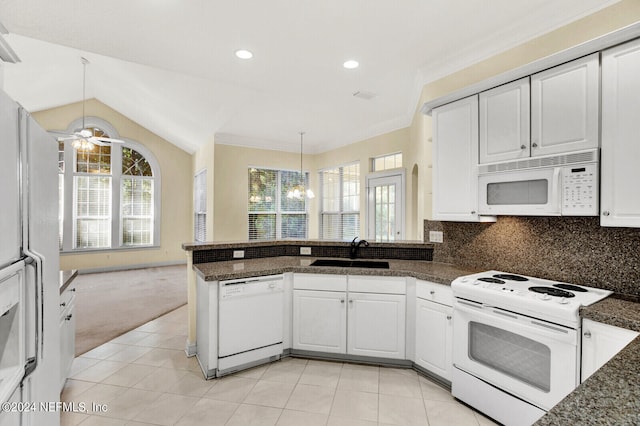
(351, 64)
(244, 54)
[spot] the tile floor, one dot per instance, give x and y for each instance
(144, 378)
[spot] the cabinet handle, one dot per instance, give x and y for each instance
(432, 292)
(68, 317)
(534, 145)
(72, 289)
(341, 300)
(587, 334)
(449, 317)
(351, 301)
(523, 147)
(63, 304)
(605, 213)
(473, 212)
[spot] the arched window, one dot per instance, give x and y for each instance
(110, 198)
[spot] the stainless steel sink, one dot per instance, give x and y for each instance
(347, 263)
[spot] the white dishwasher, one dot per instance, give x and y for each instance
(250, 322)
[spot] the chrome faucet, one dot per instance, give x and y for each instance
(353, 253)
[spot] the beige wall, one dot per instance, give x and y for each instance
(175, 169)
(605, 21)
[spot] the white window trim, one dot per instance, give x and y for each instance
(278, 212)
(399, 173)
(340, 212)
(116, 176)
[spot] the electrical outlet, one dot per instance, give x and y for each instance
(238, 254)
(435, 236)
(305, 251)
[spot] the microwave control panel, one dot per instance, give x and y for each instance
(580, 190)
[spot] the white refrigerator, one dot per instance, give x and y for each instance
(29, 265)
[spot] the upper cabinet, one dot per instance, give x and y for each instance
(564, 103)
(619, 200)
(504, 122)
(455, 161)
(565, 107)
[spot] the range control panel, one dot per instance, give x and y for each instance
(580, 190)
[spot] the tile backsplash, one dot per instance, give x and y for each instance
(572, 249)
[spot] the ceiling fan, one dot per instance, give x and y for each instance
(85, 138)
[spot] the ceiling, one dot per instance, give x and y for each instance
(170, 65)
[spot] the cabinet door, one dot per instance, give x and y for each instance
(455, 161)
(376, 325)
(620, 174)
(565, 107)
(504, 122)
(67, 335)
(434, 329)
(319, 321)
(600, 343)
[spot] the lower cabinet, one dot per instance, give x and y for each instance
(434, 328)
(67, 333)
(349, 322)
(600, 343)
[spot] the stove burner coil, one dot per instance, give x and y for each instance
(571, 287)
(552, 291)
(511, 277)
(491, 280)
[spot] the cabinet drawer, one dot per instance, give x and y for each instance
(67, 298)
(380, 285)
(323, 282)
(439, 293)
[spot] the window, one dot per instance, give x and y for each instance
(109, 199)
(340, 202)
(386, 162)
(200, 206)
(271, 214)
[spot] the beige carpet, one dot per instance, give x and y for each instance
(109, 304)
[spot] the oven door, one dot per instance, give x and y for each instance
(531, 359)
(527, 192)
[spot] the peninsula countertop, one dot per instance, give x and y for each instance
(441, 273)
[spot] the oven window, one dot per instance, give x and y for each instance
(518, 192)
(512, 354)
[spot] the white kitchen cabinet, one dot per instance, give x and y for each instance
(377, 325)
(434, 328)
(67, 333)
(356, 315)
(600, 343)
(320, 321)
(565, 107)
(455, 161)
(504, 122)
(620, 174)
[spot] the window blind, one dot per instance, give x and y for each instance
(340, 202)
(200, 206)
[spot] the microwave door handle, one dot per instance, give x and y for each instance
(555, 189)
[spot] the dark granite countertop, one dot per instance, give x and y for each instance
(66, 277)
(611, 396)
(442, 273)
(194, 246)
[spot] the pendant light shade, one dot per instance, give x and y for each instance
(299, 191)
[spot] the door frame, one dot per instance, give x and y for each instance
(370, 219)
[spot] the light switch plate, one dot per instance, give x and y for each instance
(305, 251)
(238, 254)
(435, 236)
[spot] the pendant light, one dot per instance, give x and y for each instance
(299, 191)
(83, 143)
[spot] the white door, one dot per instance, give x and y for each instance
(385, 207)
(434, 329)
(10, 224)
(320, 321)
(455, 161)
(620, 174)
(376, 325)
(565, 107)
(504, 122)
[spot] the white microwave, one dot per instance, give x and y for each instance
(558, 185)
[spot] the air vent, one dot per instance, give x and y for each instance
(537, 162)
(363, 94)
